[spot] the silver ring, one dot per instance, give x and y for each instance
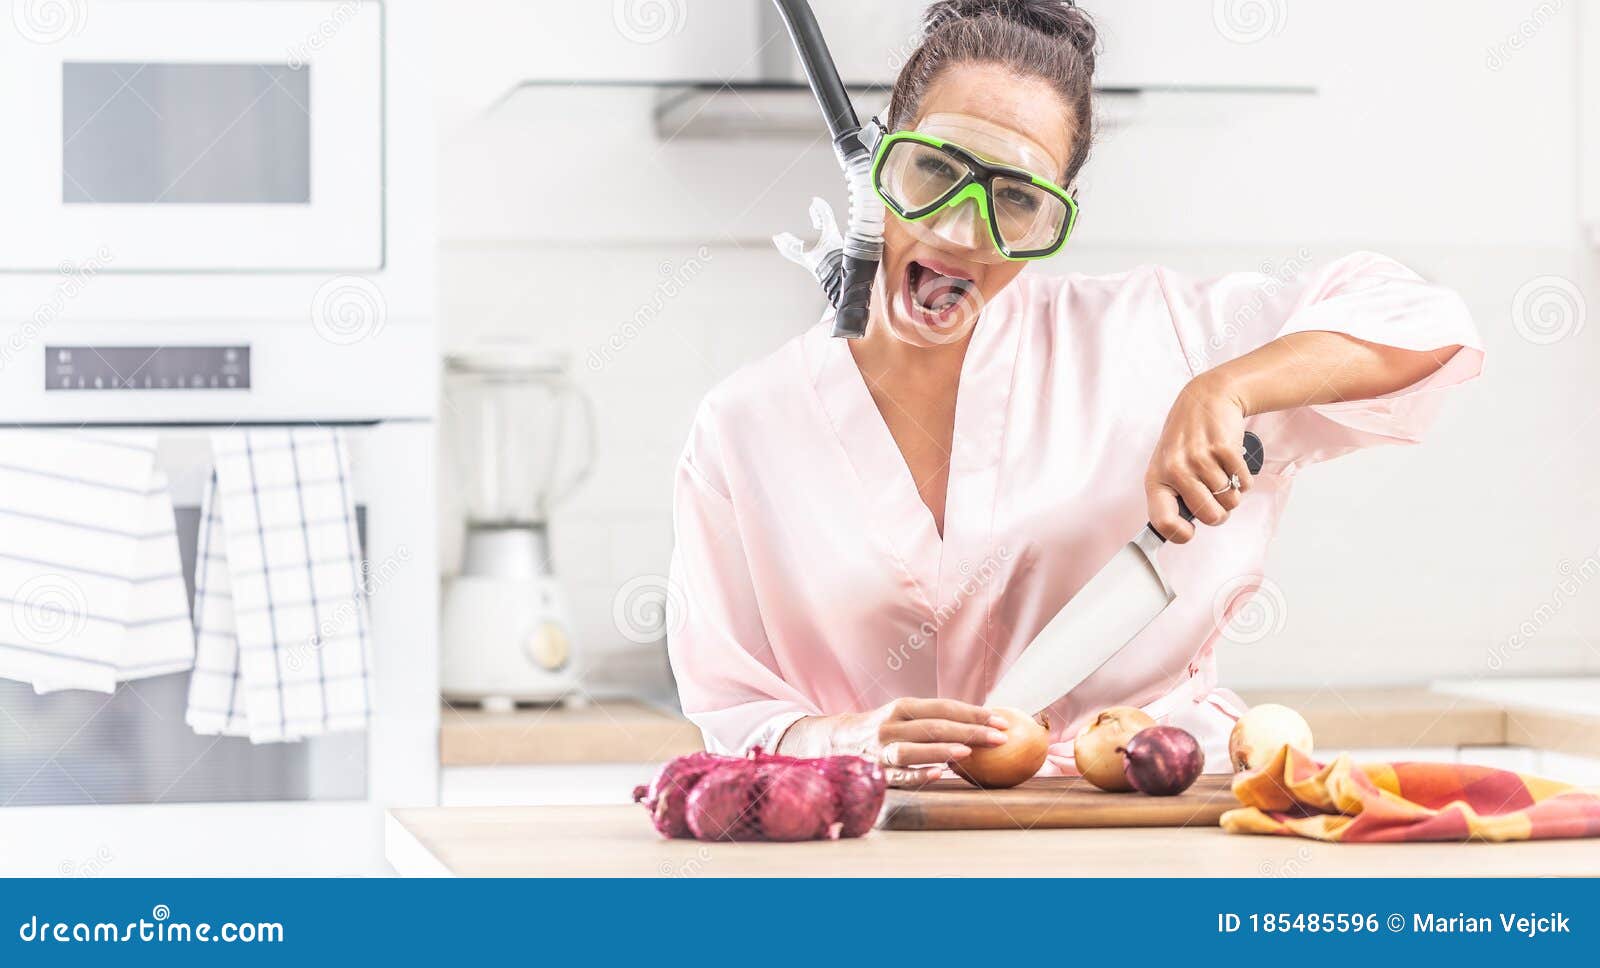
(1232, 485)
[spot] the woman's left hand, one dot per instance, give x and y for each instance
(1200, 452)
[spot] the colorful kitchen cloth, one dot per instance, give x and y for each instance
(91, 582)
(280, 607)
(1295, 795)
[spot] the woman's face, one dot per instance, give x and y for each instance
(936, 284)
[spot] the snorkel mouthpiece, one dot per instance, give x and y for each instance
(847, 281)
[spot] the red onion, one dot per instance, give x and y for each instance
(722, 804)
(667, 797)
(859, 787)
(795, 803)
(765, 797)
(1163, 761)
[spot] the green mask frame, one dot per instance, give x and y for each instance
(977, 185)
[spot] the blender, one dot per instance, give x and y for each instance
(522, 440)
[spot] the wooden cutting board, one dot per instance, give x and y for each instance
(1059, 801)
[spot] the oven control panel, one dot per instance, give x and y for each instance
(147, 368)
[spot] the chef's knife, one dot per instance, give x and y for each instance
(1106, 613)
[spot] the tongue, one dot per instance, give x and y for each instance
(940, 292)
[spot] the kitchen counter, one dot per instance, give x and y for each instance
(624, 731)
(608, 731)
(1560, 715)
(1364, 718)
(618, 841)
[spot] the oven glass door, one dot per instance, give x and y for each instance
(133, 746)
(180, 136)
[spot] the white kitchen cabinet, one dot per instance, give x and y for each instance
(1579, 770)
(1397, 754)
(544, 786)
(1518, 759)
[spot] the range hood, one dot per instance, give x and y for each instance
(733, 72)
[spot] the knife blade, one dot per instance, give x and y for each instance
(1107, 613)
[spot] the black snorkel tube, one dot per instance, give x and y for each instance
(846, 277)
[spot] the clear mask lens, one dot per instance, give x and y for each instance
(919, 176)
(1027, 217)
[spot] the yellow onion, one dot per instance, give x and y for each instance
(1016, 760)
(1262, 732)
(1098, 749)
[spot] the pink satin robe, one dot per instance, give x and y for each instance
(814, 581)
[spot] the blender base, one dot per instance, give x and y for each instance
(506, 641)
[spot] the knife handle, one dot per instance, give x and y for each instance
(1255, 456)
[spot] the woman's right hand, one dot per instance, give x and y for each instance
(914, 739)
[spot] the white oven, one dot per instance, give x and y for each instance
(184, 136)
(96, 783)
(269, 290)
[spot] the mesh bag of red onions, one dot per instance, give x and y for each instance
(764, 797)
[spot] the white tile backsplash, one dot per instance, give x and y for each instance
(1398, 565)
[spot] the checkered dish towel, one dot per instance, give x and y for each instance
(280, 610)
(1295, 795)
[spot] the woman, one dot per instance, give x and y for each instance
(869, 532)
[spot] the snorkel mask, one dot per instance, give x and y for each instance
(971, 187)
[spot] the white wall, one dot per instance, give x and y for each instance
(1446, 135)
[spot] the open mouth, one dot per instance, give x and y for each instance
(934, 294)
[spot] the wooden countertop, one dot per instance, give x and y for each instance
(625, 731)
(1348, 719)
(618, 841)
(1450, 715)
(612, 731)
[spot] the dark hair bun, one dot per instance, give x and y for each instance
(1061, 19)
(1052, 40)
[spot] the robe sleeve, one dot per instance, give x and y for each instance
(1366, 296)
(728, 678)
